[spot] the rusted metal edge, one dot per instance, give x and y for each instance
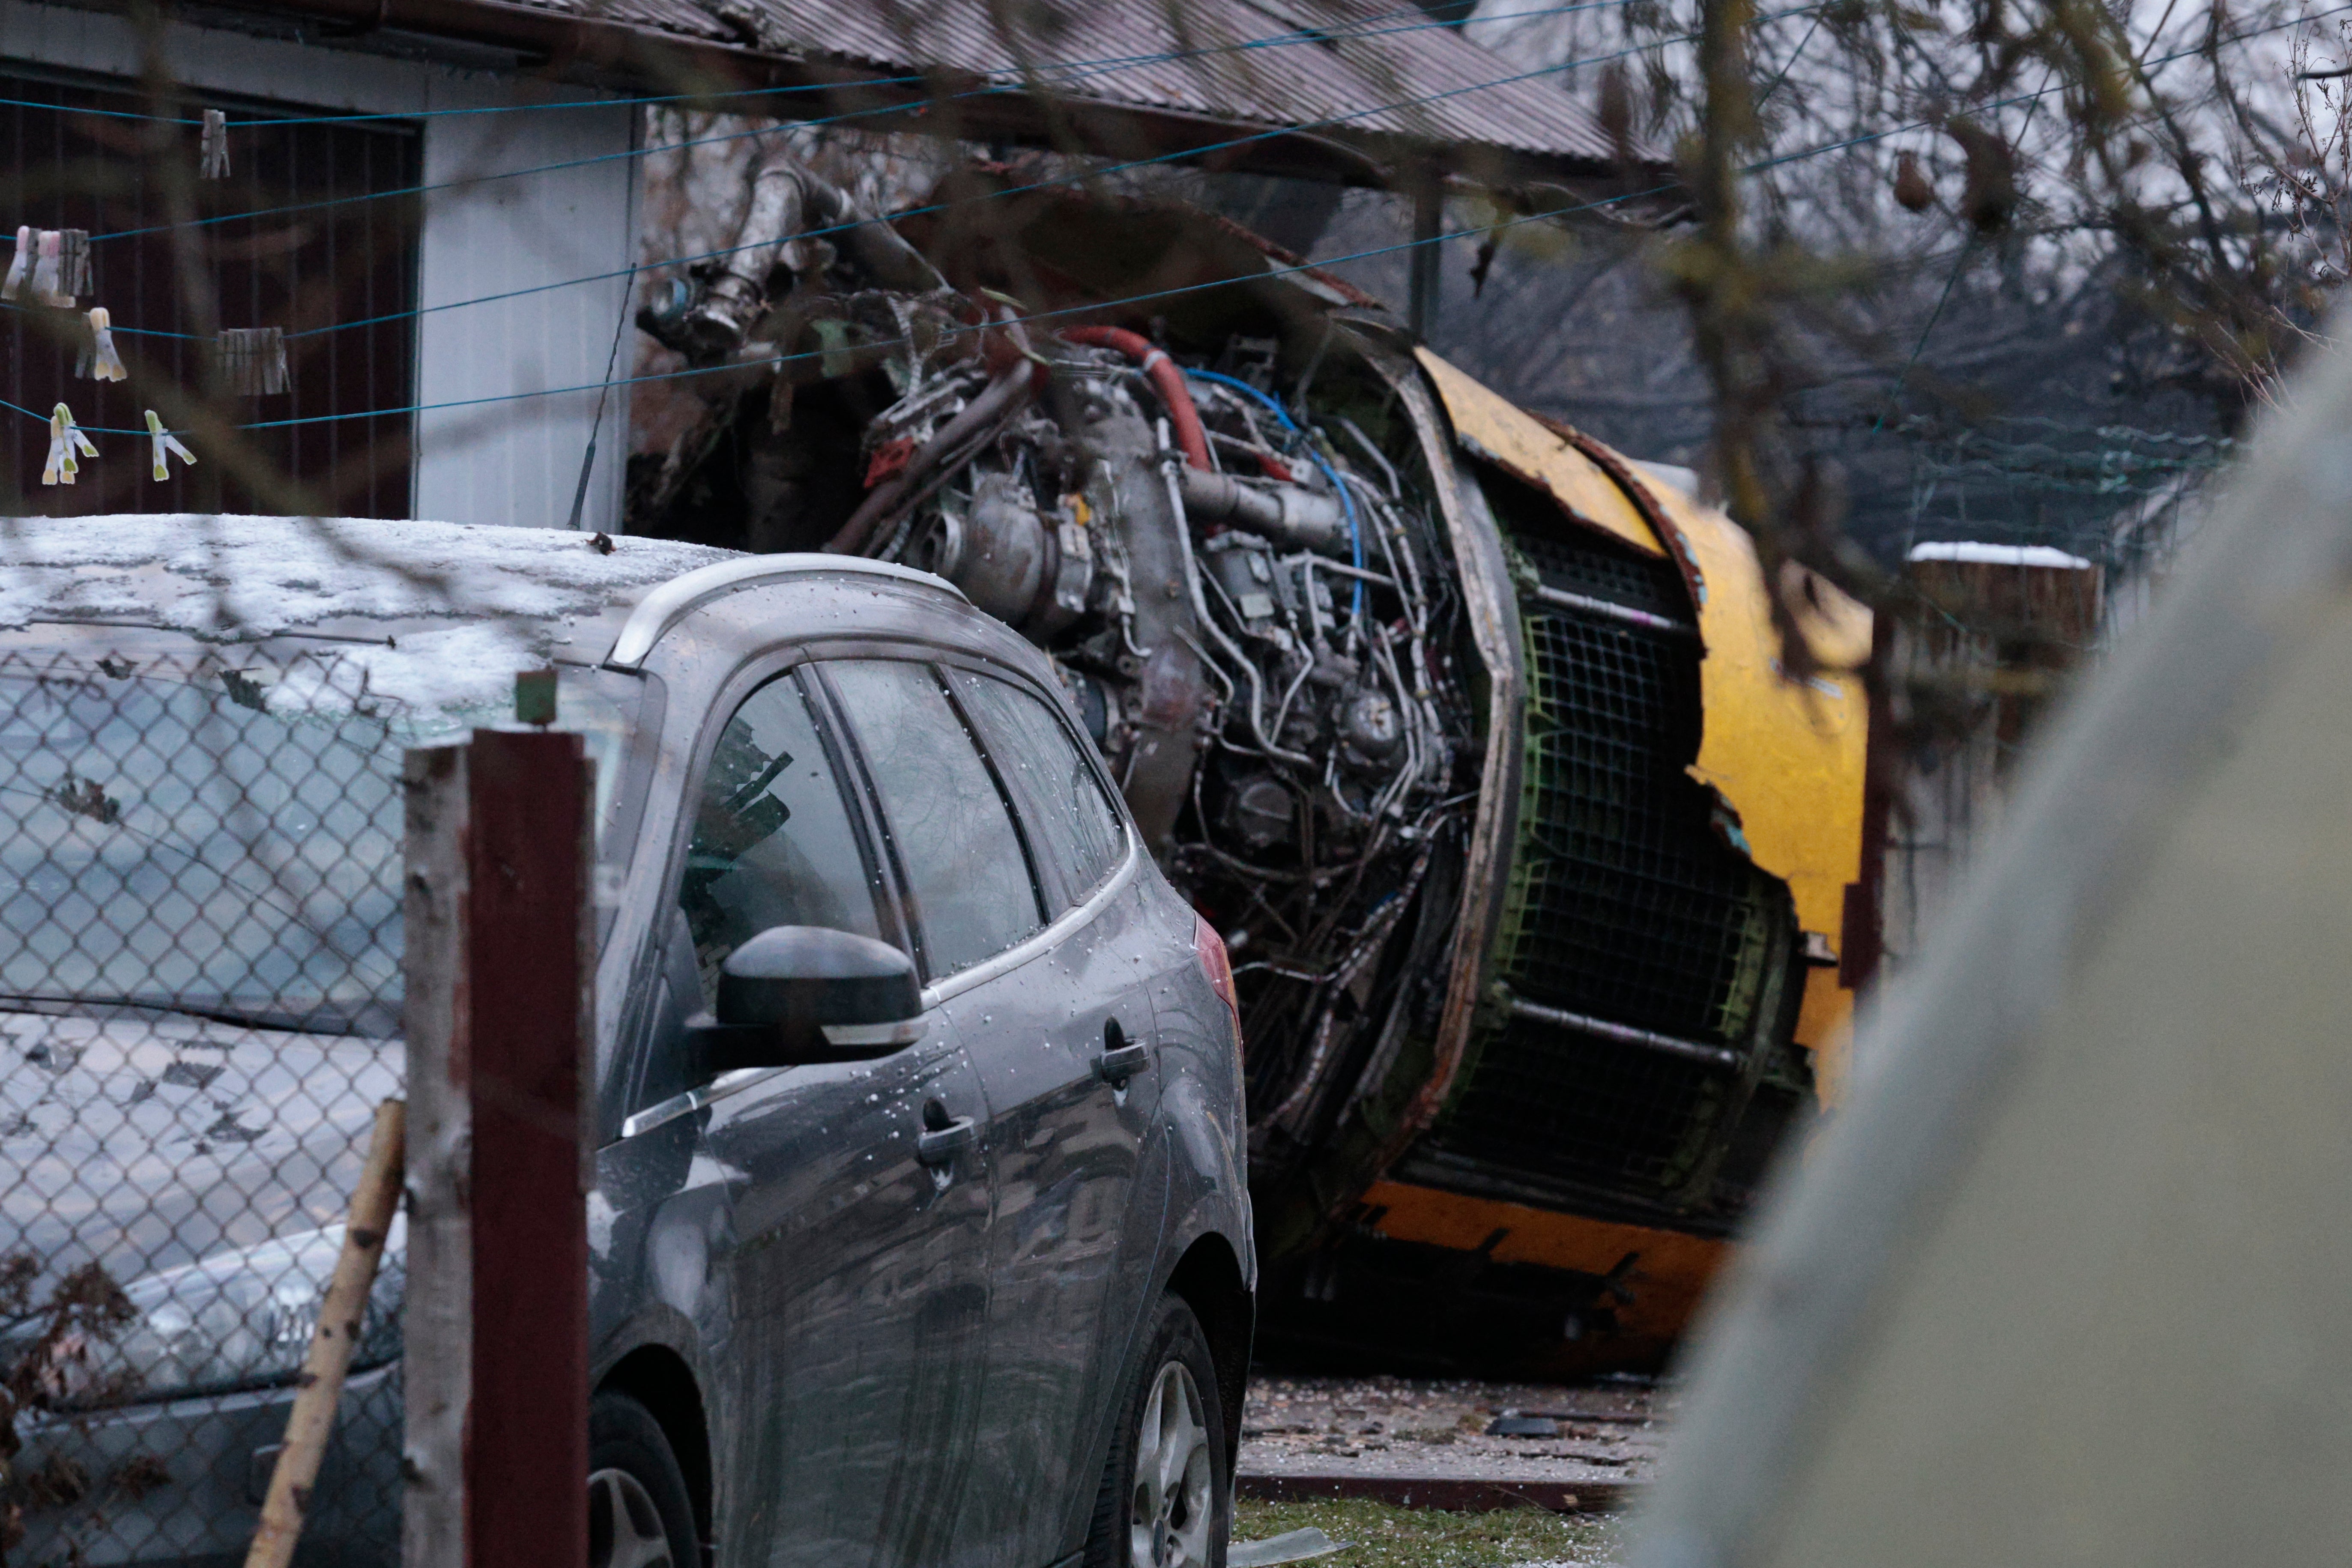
(1535, 481)
(1493, 608)
(1452, 1494)
(1621, 473)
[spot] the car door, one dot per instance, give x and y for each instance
(838, 1276)
(973, 895)
(1071, 1098)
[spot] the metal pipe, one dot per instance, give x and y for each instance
(1585, 603)
(1168, 471)
(998, 397)
(1342, 569)
(1625, 1034)
(1164, 374)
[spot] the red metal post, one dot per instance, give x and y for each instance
(500, 946)
(527, 1442)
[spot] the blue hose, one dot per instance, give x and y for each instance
(1347, 501)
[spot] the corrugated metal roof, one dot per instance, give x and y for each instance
(1365, 72)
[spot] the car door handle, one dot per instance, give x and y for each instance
(1116, 1066)
(938, 1145)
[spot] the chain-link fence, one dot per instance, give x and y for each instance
(200, 991)
(2121, 498)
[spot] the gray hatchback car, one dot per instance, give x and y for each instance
(984, 1298)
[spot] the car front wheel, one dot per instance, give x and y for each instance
(639, 1515)
(1165, 1500)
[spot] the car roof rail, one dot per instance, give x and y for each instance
(670, 602)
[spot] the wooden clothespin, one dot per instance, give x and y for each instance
(66, 438)
(162, 441)
(253, 360)
(73, 265)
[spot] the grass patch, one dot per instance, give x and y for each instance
(1387, 1537)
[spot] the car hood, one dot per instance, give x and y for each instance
(142, 1142)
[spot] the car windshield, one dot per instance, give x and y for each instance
(220, 832)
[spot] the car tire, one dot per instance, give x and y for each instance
(1166, 1500)
(639, 1514)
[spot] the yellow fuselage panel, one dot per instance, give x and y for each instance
(1521, 444)
(1786, 751)
(1667, 1274)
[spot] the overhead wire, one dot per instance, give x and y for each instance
(733, 96)
(1548, 214)
(1075, 178)
(872, 112)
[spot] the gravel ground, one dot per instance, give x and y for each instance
(1611, 1429)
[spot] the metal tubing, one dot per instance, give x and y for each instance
(1625, 1034)
(1589, 605)
(1209, 621)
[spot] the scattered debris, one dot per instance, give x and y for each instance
(243, 690)
(229, 1131)
(1591, 1441)
(84, 797)
(192, 1075)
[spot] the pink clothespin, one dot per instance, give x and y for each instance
(48, 286)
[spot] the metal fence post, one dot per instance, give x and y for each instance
(496, 1323)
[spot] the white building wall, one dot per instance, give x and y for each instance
(508, 462)
(519, 462)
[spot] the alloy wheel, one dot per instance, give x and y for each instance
(1169, 1513)
(624, 1528)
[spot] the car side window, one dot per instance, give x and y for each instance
(773, 843)
(1074, 826)
(967, 879)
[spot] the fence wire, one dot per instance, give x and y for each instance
(200, 991)
(2117, 496)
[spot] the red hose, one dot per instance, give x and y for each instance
(1164, 374)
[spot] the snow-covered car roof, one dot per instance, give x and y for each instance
(245, 577)
(441, 614)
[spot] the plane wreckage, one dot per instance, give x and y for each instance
(1470, 735)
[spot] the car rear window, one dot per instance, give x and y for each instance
(1074, 827)
(968, 881)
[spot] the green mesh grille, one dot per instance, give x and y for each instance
(1624, 902)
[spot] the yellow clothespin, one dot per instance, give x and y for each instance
(105, 364)
(66, 438)
(163, 441)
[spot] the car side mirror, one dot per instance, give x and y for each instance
(797, 995)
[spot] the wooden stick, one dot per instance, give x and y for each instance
(313, 1419)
